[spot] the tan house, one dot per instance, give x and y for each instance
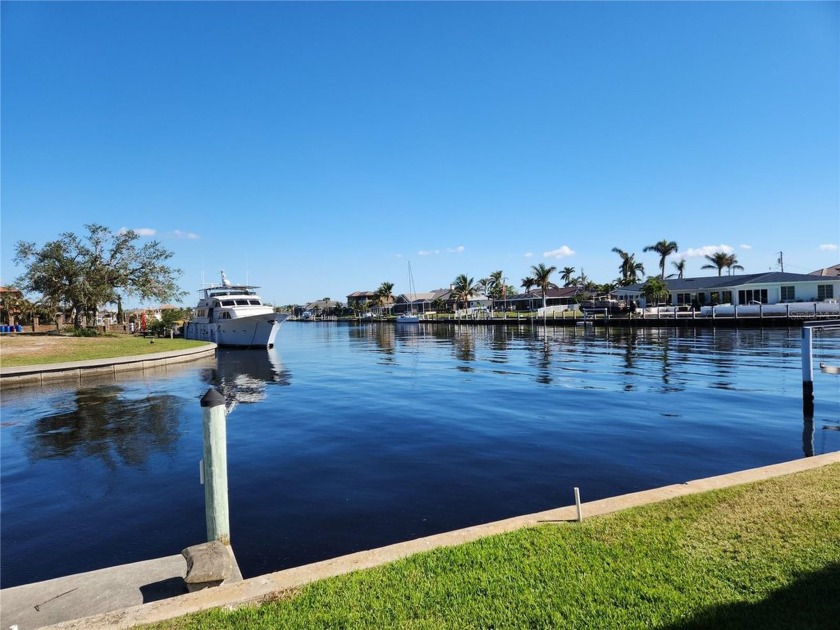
(362, 300)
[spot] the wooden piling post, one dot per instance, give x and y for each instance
(807, 372)
(215, 467)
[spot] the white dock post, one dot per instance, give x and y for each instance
(215, 467)
(807, 372)
(577, 505)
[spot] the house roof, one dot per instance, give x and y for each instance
(827, 271)
(552, 292)
(726, 282)
(426, 296)
(361, 294)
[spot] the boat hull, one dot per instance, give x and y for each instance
(254, 331)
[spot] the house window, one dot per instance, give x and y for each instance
(825, 292)
(747, 296)
(788, 294)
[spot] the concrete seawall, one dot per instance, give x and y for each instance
(100, 368)
(265, 587)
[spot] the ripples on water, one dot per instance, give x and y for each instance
(351, 437)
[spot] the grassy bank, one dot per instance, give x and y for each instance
(21, 350)
(764, 555)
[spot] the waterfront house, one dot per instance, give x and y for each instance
(362, 300)
(417, 302)
(533, 299)
(322, 307)
(773, 287)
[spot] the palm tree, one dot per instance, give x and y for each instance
(567, 274)
(732, 263)
(541, 278)
(527, 283)
(630, 269)
(384, 293)
(664, 248)
(462, 288)
(582, 280)
(496, 284)
(719, 260)
(679, 265)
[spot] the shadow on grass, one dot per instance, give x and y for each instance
(811, 602)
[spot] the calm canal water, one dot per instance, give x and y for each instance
(351, 437)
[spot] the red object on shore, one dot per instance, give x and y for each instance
(143, 322)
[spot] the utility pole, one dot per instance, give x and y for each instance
(781, 261)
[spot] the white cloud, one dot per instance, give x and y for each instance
(745, 246)
(706, 250)
(188, 235)
(434, 252)
(529, 254)
(829, 247)
(139, 231)
(560, 252)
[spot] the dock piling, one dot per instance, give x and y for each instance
(807, 372)
(215, 467)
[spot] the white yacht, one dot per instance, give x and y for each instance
(234, 316)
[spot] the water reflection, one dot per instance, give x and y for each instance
(808, 437)
(103, 425)
(380, 337)
(241, 376)
(463, 347)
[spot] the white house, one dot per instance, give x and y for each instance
(774, 287)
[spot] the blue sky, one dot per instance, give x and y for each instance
(315, 148)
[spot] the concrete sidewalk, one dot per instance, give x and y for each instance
(142, 602)
(96, 592)
(86, 594)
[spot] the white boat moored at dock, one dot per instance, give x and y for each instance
(232, 315)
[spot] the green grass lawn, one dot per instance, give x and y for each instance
(765, 555)
(30, 350)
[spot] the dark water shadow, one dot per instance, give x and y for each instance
(810, 602)
(104, 425)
